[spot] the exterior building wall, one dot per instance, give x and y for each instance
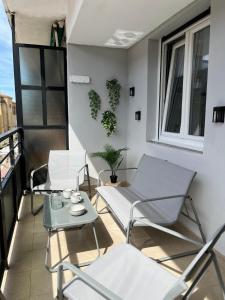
(7, 113)
(208, 189)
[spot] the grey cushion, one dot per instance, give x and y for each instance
(130, 275)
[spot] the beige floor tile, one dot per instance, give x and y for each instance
(27, 261)
(39, 240)
(41, 283)
(48, 296)
(17, 285)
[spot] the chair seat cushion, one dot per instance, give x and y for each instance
(128, 274)
(120, 200)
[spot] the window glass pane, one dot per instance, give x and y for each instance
(32, 107)
(175, 91)
(30, 69)
(199, 82)
(55, 107)
(54, 67)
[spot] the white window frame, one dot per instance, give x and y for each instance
(182, 139)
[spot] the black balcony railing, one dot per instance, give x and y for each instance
(12, 176)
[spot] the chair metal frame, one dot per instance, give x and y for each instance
(33, 192)
(198, 266)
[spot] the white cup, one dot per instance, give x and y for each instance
(75, 198)
(74, 193)
(67, 193)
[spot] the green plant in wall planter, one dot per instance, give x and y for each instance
(109, 122)
(113, 88)
(95, 103)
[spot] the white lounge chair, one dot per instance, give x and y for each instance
(65, 170)
(156, 196)
(125, 273)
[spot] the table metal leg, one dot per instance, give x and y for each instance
(96, 239)
(54, 268)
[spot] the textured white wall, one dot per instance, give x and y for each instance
(100, 64)
(208, 189)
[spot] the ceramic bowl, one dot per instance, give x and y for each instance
(77, 210)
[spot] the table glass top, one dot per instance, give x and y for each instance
(57, 212)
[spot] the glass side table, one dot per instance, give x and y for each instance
(56, 217)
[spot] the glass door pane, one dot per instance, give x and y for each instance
(199, 82)
(30, 66)
(56, 107)
(54, 67)
(32, 107)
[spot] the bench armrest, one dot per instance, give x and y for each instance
(109, 170)
(91, 282)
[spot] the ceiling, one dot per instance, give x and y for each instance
(48, 9)
(108, 23)
(120, 23)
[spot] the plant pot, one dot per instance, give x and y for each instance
(113, 178)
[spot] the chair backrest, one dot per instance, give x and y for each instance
(159, 178)
(63, 166)
(197, 263)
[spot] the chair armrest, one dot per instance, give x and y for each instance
(41, 167)
(91, 282)
(109, 170)
(84, 166)
(78, 174)
(32, 175)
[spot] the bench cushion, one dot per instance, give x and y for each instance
(127, 273)
(120, 200)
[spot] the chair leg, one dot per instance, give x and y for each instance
(176, 256)
(89, 183)
(219, 274)
(197, 278)
(197, 220)
(129, 229)
(59, 283)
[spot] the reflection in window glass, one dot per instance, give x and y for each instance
(199, 82)
(175, 91)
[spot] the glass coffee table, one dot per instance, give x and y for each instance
(57, 216)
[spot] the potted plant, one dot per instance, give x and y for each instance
(113, 158)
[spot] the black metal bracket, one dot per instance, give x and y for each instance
(218, 114)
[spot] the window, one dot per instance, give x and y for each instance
(185, 60)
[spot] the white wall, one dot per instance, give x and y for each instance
(208, 189)
(100, 64)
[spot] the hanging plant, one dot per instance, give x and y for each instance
(113, 88)
(109, 122)
(95, 103)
